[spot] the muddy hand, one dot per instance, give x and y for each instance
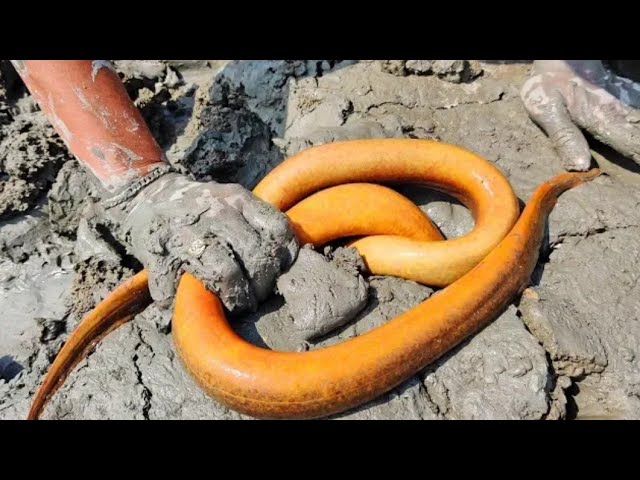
(221, 233)
(565, 96)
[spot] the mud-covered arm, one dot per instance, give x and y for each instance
(232, 241)
(567, 96)
(90, 109)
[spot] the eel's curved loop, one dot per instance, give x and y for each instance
(474, 181)
(359, 209)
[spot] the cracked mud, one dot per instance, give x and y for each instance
(569, 348)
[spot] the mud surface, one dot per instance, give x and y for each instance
(569, 348)
(320, 296)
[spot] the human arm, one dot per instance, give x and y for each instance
(235, 243)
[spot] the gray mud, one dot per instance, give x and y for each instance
(569, 348)
(320, 295)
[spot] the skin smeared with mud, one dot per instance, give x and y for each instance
(223, 234)
(91, 111)
(564, 96)
(503, 372)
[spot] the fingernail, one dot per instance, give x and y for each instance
(579, 165)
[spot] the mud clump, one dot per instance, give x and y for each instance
(11, 91)
(454, 71)
(234, 140)
(94, 280)
(347, 259)
(500, 373)
(99, 269)
(232, 136)
(70, 198)
(31, 153)
(160, 93)
(5, 108)
(320, 295)
(242, 115)
(50, 328)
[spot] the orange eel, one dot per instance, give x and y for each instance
(328, 192)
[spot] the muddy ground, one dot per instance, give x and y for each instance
(568, 349)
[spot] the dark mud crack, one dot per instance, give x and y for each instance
(589, 233)
(499, 98)
(146, 392)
